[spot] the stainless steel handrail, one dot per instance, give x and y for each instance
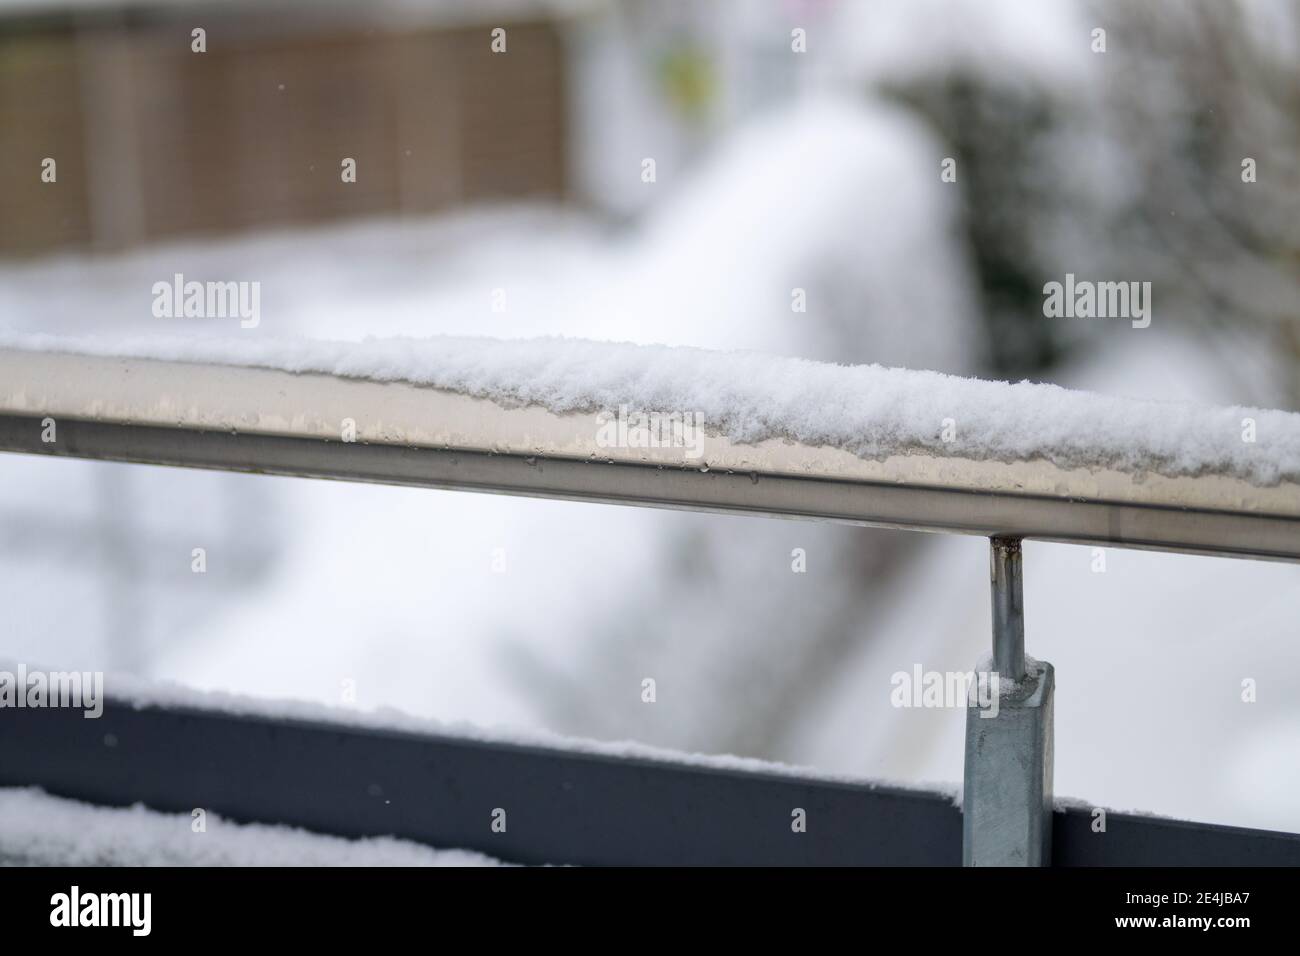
(265, 420)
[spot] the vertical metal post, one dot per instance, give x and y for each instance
(1007, 792)
(1008, 608)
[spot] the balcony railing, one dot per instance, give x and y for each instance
(598, 808)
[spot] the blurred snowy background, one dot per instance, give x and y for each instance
(774, 169)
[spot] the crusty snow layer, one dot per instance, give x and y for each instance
(40, 830)
(871, 411)
(139, 692)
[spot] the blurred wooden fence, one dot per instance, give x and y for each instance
(154, 141)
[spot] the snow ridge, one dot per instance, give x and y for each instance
(37, 829)
(871, 411)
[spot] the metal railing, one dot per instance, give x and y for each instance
(275, 422)
(564, 806)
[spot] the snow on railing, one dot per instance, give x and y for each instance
(684, 428)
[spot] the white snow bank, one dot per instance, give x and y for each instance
(999, 40)
(871, 411)
(37, 829)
